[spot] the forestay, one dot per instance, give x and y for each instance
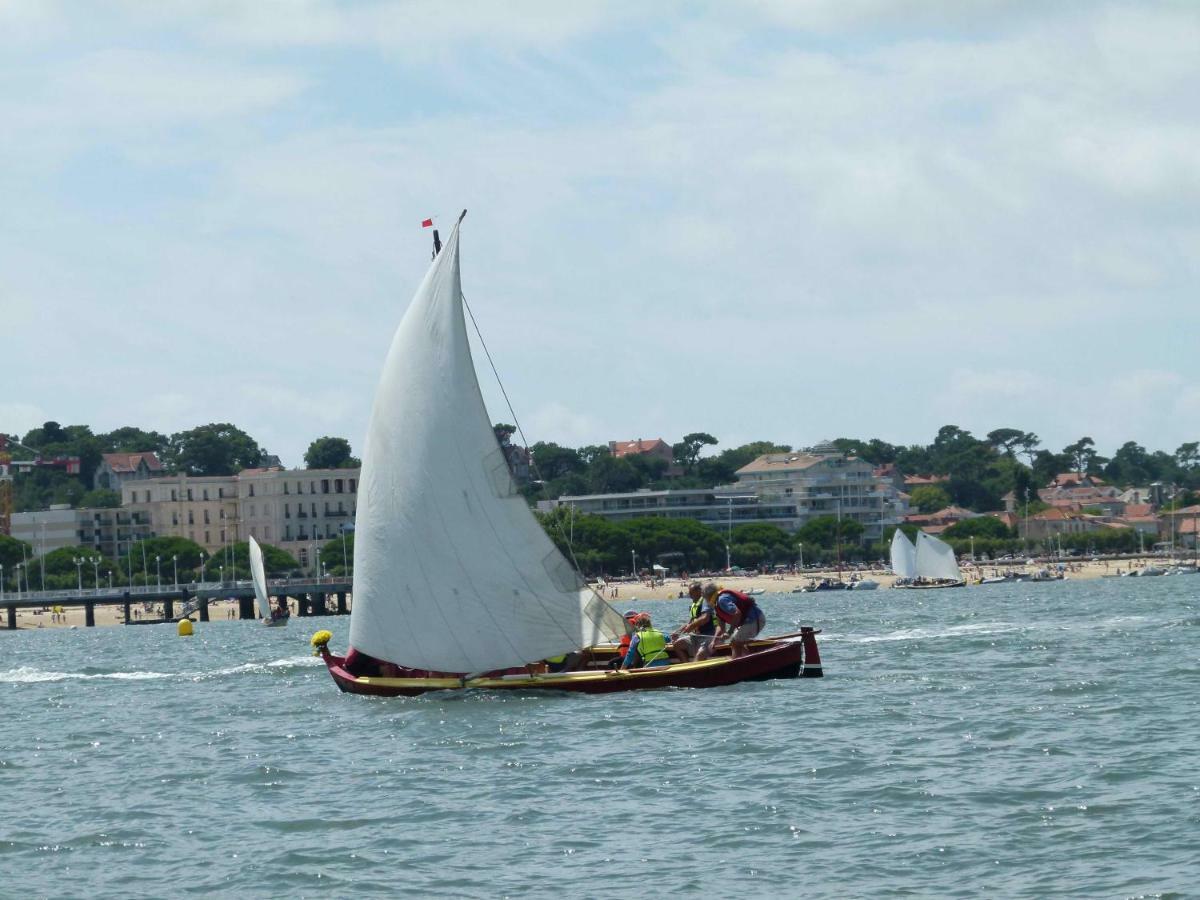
(935, 559)
(904, 562)
(452, 573)
(259, 576)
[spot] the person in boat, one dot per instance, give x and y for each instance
(694, 640)
(626, 638)
(281, 610)
(736, 613)
(647, 647)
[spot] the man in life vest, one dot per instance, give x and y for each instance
(736, 613)
(695, 639)
(648, 647)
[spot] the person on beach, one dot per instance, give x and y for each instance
(736, 613)
(695, 639)
(648, 647)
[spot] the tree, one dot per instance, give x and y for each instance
(330, 453)
(1006, 440)
(129, 439)
(338, 554)
(1081, 453)
(612, 475)
(13, 551)
(552, 461)
(827, 532)
(981, 527)
(1187, 456)
(687, 451)
(100, 499)
(929, 498)
(215, 449)
(504, 433)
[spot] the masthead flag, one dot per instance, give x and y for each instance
(427, 223)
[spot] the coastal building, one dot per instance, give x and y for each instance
(782, 489)
(939, 521)
(201, 508)
(655, 448)
(116, 469)
(722, 507)
(822, 481)
(297, 510)
(110, 532)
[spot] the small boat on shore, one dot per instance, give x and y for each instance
(457, 586)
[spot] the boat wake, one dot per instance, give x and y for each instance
(34, 675)
(981, 629)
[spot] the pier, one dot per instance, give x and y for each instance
(312, 596)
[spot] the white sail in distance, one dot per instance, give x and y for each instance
(935, 559)
(259, 576)
(452, 573)
(904, 562)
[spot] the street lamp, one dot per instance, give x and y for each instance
(972, 549)
(96, 573)
(221, 572)
(158, 568)
(633, 564)
(202, 564)
(19, 567)
(110, 580)
(79, 561)
(175, 567)
(800, 547)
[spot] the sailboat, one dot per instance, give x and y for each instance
(935, 565)
(456, 585)
(904, 559)
(258, 575)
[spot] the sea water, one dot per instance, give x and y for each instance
(1018, 740)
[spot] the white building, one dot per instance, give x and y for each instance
(783, 489)
(297, 510)
(110, 532)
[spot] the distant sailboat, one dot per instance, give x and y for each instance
(259, 576)
(935, 564)
(904, 557)
(456, 583)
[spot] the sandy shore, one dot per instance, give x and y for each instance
(620, 593)
(672, 588)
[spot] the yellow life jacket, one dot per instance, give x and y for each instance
(652, 645)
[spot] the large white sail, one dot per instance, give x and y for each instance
(935, 559)
(904, 562)
(452, 573)
(259, 576)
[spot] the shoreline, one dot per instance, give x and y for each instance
(632, 591)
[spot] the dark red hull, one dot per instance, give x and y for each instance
(787, 657)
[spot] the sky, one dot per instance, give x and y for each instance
(787, 220)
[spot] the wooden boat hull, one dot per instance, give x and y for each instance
(784, 657)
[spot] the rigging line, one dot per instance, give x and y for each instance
(524, 441)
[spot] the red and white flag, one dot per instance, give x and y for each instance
(427, 223)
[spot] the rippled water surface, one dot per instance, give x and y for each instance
(1003, 740)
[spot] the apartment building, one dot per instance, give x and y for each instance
(822, 481)
(110, 532)
(297, 509)
(201, 508)
(783, 489)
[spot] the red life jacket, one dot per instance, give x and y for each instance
(744, 604)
